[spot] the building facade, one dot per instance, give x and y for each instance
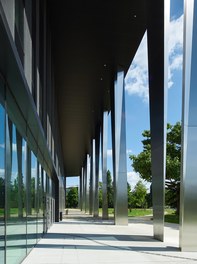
(62, 69)
(31, 174)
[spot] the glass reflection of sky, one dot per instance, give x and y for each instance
(33, 165)
(14, 155)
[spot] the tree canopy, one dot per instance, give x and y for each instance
(72, 198)
(142, 162)
(138, 197)
(110, 191)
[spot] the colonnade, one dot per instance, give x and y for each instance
(157, 32)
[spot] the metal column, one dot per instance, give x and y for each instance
(158, 19)
(91, 187)
(97, 152)
(93, 175)
(119, 151)
(87, 180)
(188, 212)
(81, 189)
(84, 194)
(79, 193)
(104, 136)
(85, 186)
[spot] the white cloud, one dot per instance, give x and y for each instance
(2, 172)
(100, 175)
(175, 46)
(136, 81)
(175, 42)
(133, 177)
(137, 76)
(109, 152)
(14, 147)
(34, 172)
(129, 151)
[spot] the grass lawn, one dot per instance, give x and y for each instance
(170, 215)
(139, 212)
(132, 213)
(172, 218)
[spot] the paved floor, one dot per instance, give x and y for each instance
(79, 239)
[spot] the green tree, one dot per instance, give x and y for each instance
(139, 195)
(129, 195)
(2, 192)
(110, 190)
(18, 195)
(142, 162)
(72, 197)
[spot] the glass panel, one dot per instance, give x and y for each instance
(40, 202)
(2, 184)
(16, 214)
(31, 200)
(48, 203)
(44, 200)
(19, 18)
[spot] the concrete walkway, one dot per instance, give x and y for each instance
(79, 239)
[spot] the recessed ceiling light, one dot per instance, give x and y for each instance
(101, 78)
(135, 16)
(105, 65)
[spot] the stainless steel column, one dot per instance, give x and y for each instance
(81, 190)
(188, 202)
(85, 185)
(158, 19)
(104, 136)
(91, 183)
(97, 152)
(93, 175)
(87, 177)
(119, 151)
(83, 199)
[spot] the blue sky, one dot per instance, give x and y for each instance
(136, 85)
(136, 92)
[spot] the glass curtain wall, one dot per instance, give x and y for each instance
(31, 200)
(40, 201)
(2, 184)
(26, 195)
(44, 201)
(15, 196)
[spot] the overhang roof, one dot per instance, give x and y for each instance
(90, 40)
